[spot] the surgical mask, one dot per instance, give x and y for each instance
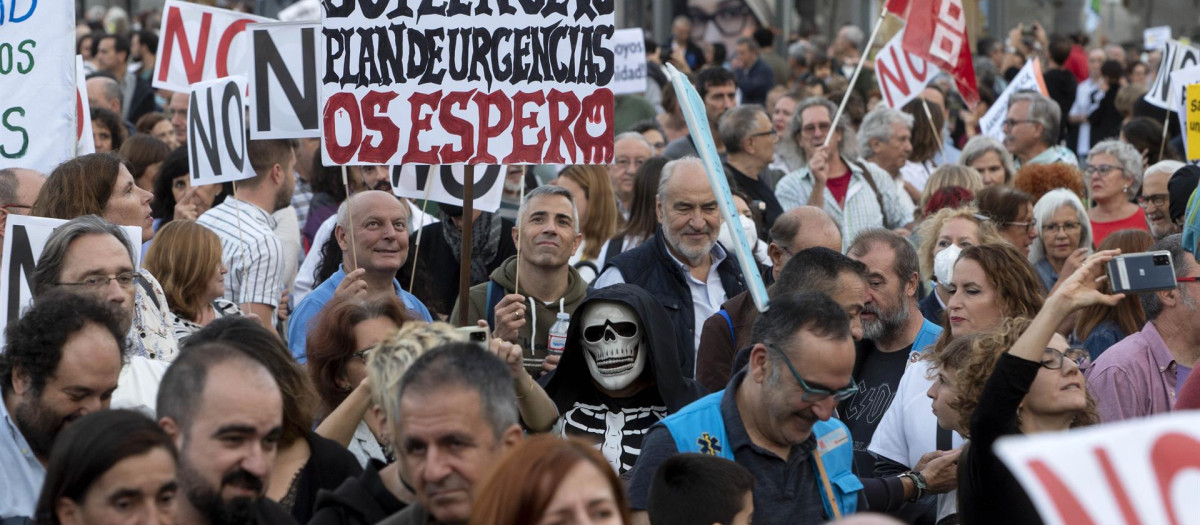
(943, 264)
(726, 238)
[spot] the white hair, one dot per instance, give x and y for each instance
(1044, 210)
(877, 125)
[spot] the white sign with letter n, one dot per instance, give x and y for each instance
(216, 127)
(284, 81)
(198, 43)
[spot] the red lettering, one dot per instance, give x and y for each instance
(597, 108)
(1172, 453)
(560, 125)
(416, 155)
(458, 127)
(890, 79)
(1131, 517)
(174, 33)
(374, 112)
(223, 45)
(338, 153)
(485, 103)
(1069, 508)
(78, 115)
(523, 151)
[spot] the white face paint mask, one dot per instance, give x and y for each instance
(726, 238)
(943, 264)
(613, 344)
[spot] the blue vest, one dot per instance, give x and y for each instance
(699, 427)
(926, 338)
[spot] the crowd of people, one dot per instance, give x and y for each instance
(286, 350)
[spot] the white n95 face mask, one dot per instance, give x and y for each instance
(726, 238)
(943, 264)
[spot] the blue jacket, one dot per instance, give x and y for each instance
(651, 267)
(699, 427)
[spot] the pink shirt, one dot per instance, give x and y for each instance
(1135, 377)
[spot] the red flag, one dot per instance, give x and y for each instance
(936, 30)
(897, 7)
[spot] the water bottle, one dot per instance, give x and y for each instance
(558, 334)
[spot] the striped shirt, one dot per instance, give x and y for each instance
(860, 210)
(259, 279)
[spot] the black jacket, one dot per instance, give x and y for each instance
(329, 464)
(651, 267)
(364, 500)
(565, 383)
(437, 268)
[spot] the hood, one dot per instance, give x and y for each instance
(564, 384)
(506, 275)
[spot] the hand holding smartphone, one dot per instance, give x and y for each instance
(1142, 272)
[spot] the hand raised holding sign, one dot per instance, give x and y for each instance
(354, 285)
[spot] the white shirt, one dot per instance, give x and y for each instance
(860, 210)
(707, 295)
(1087, 100)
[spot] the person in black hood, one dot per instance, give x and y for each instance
(619, 373)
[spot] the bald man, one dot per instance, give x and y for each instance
(370, 259)
(104, 92)
(797, 229)
(19, 187)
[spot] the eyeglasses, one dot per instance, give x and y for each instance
(1012, 123)
(730, 20)
(625, 162)
(812, 394)
(1030, 226)
(1053, 358)
(821, 127)
(764, 133)
(1159, 200)
(98, 282)
(1102, 169)
(1064, 226)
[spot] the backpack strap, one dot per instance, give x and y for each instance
(728, 321)
(149, 293)
(875, 188)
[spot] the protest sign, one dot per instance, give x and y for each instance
(85, 142)
(216, 127)
(630, 48)
(24, 238)
(1130, 472)
(283, 103)
(1155, 37)
(1029, 78)
(901, 75)
(446, 184)
(697, 120)
(1180, 80)
(198, 43)
(37, 69)
(451, 83)
(1193, 123)
(1176, 56)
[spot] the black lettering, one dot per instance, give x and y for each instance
(458, 7)
(418, 50)
(460, 53)
(402, 9)
(532, 7)
(334, 49)
(605, 7)
(20, 262)
(502, 73)
(556, 6)
(481, 42)
(267, 59)
(428, 8)
(604, 73)
(561, 69)
(347, 36)
(373, 10)
(207, 138)
(503, 5)
(587, 69)
(482, 184)
(232, 93)
(433, 73)
(366, 57)
(520, 51)
(391, 63)
(584, 8)
(574, 36)
(338, 11)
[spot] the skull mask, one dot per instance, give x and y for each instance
(612, 337)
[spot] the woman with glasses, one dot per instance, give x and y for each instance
(1114, 174)
(1098, 327)
(1022, 379)
(186, 257)
(337, 348)
(1011, 210)
(99, 184)
(1065, 236)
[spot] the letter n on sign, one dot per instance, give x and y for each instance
(216, 128)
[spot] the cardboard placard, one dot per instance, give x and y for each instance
(446, 184)
(1193, 122)
(900, 74)
(283, 79)
(1028, 79)
(630, 48)
(1155, 37)
(85, 141)
(216, 127)
(1176, 56)
(198, 43)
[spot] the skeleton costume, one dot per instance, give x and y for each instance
(617, 336)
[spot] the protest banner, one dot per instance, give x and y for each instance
(38, 119)
(1155, 37)
(1176, 56)
(24, 239)
(937, 32)
(1180, 80)
(1029, 78)
(283, 80)
(216, 127)
(1127, 473)
(697, 120)
(630, 48)
(85, 143)
(901, 75)
(198, 43)
(1193, 123)
(450, 83)
(446, 184)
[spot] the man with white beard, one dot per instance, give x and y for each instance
(683, 266)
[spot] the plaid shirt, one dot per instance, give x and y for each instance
(860, 211)
(301, 198)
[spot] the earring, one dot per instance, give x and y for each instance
(1125, 188)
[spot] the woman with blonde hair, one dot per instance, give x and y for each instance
(599, 218)
(950, 175)
(961, 227)
(186, 257)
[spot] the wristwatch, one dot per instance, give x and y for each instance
(918, 481)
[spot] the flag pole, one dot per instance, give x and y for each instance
(1162, 146)
(350, 219)
(858, 69)
(464, 262)
(936, 134)
(412, 278)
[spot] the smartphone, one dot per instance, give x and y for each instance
(478, 335)
(1141, 272)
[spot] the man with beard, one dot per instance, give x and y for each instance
(1155, 198)
(682, 265)
(224, 412)
(48, 378)
(894, 334)
(369, 261)
(250, 249)
(548, 233)
(717, 87)
(775, 417)
(618, 375)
